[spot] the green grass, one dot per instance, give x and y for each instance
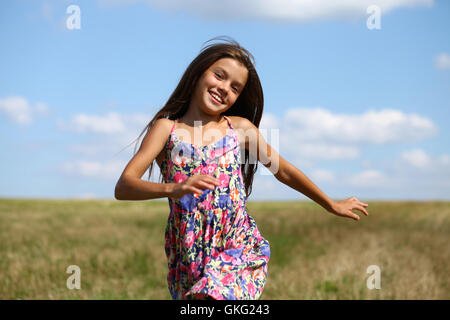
(119, 247)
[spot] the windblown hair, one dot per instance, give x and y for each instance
(248, 105)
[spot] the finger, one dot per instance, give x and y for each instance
(353, 216)
(206, 184)
(363, 204)
(360, 208)
(213, 180)
(195, 190)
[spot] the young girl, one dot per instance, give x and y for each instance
(214, 248)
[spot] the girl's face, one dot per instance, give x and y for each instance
(219, 86)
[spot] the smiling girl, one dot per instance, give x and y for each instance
(213, 246)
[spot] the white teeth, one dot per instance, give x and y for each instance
(217, 97)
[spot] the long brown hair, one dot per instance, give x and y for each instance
(248, 105)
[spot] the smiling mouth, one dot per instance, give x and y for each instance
(215, 98)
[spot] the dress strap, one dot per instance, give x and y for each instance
(173, 127)
(229, 121)
(233, 133)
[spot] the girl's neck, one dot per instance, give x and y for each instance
(206, 120)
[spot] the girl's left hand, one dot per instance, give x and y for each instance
(344, 208)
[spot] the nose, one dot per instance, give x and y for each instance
(223, 90)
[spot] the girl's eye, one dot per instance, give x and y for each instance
(220, 76)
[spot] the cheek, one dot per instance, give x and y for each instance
(233, 99)
(209, 80)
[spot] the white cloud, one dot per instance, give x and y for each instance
(316, 133)
(371, 127)
(110, 123)
(418, 161)
(277, 10)
(325, 151)
(109, 170)
(108, 134)
(416, 158)
(18, 110)
(368, 178)
(444, 160)
(323, 176)
(442, 61)
(42, 109)
(269, 121)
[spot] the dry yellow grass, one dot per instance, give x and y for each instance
(119, 247)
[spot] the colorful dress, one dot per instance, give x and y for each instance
(214, 248)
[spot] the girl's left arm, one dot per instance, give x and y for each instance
(288, 174)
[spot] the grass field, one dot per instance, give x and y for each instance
(119, 247)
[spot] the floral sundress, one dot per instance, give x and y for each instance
(213, 247)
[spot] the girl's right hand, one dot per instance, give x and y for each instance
(193, 184)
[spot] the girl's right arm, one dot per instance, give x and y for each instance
(130, 185)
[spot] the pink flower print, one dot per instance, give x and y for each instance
(227, 258)
(251, 288)
(212, 166)
(224, 180)
(206, 204)
(208, 233)
(246, 274)
(209, 168)
(229, 244)
(199, 285)
(228, 279)
(183, 228)
(195, 269)
(220, 151)
(189, 240)
(214, 273)
(179, 177)
(216, 294)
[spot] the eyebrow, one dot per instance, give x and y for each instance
(223, 70)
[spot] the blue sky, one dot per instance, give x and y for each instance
(361, 112)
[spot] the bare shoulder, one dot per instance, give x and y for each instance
(155, 139)
(161, 128)
(241, 123)
(165, 123)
